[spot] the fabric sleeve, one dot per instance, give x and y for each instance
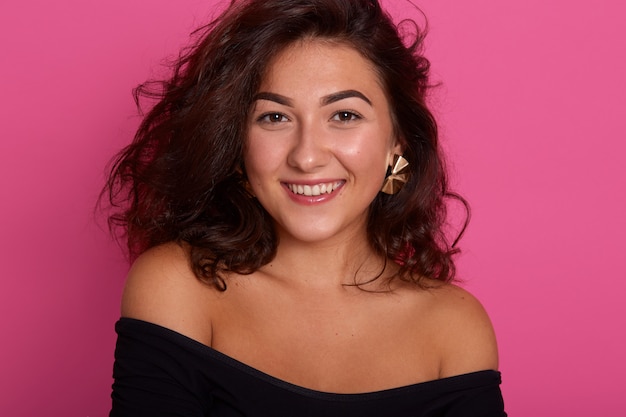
(480, 401)
(153, 376)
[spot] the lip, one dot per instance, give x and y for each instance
(315, 187)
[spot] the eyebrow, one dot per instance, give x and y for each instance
(274, 97)
(326, 100)
(340, 95)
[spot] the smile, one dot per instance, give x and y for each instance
(314, 190)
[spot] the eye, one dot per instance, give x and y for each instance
(272, 118)
(346, 116)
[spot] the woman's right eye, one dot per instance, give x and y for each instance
(272, 118)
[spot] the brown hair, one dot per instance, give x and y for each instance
(182, 178)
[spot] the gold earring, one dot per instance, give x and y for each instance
(396, 178)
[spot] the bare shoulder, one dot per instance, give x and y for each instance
(468, 343)
(162, 289)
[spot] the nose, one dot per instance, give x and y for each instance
(310, 148)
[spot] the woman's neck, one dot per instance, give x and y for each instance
(339, 263)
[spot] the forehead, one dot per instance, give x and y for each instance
(319, 59)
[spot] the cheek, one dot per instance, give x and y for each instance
(369, 152)
(261, 161)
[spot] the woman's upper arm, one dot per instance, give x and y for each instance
(469, 341)
(154, 376)
(162, 289)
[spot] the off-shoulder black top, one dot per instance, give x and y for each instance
(159, 373)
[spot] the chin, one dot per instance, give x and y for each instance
(316, 234)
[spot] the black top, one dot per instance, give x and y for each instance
(159, 372)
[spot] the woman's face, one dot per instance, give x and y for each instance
(320, 139)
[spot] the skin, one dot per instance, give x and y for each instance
(333, 127)
(295, 318)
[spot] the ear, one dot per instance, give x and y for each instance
(396, 149)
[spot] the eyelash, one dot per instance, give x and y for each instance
(352, 115)
(266, 117)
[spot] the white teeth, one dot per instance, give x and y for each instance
(315, 190)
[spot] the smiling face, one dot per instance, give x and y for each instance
(320, 139)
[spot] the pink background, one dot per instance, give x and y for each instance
(531, 108)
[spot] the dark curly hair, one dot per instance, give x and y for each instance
(182, 178)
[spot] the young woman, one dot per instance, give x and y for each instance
(285, 199)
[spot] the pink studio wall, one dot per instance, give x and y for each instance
(531, 107)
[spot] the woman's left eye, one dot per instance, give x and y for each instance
(346, 116)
